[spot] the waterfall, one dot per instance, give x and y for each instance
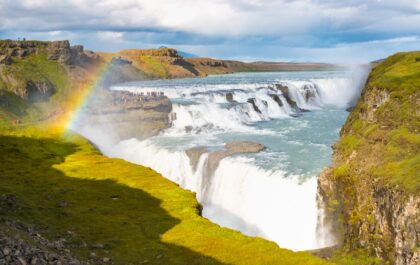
(263, 194)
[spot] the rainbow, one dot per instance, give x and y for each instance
(79, 99)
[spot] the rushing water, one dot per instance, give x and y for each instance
(271, 194)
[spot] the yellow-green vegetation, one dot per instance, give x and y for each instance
(11, 106)
(35, 68)
(153, 67)
(67, 189)
(390, 142)
(376, 165)
(15, 86)
(399, 73)
(359, 257)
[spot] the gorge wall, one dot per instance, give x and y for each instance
(371, 190)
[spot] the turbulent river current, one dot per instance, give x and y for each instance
(271, 194)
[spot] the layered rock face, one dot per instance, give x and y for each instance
(211, 66)
(126, 115)
(62, 52)
(59, 51)
(371, 191)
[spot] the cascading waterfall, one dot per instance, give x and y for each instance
(271, 194)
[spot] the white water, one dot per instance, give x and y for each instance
(271, 194)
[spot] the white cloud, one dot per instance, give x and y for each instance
(110, 36)
(215, 17)
(240, 26)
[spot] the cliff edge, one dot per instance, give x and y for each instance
(371, 190)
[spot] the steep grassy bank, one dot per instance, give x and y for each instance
(372, 188)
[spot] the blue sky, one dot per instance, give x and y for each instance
(346, 31)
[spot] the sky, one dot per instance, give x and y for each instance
(341, 31)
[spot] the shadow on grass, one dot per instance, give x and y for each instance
(99, 216)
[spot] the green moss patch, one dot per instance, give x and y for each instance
(398, 73)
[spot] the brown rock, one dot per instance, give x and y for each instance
(252, 101)
(194, 154)
(285, 91)
(59, 51)
(229, 96)
(5, 59)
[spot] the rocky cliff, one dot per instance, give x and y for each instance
(125, 115)
(34, 69)
(371, 190)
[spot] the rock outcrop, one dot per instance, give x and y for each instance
(285, 92)
(62, 52)
(309, 93)
(38, 90)
(214, 157)
(10, 49)
(277, 99)
(59, 51)
(126, 115)
(371, 191)
(194, 155)
(253, 103)
(229, 97)
(211, 66)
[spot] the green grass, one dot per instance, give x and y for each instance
(355, 257)
(11, 106)
(154, 67)
(389, 147)
(35, 67)
(64, 184)
(399, 73)
(348, 144)
(39, 68)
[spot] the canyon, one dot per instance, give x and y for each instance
(370, 192)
